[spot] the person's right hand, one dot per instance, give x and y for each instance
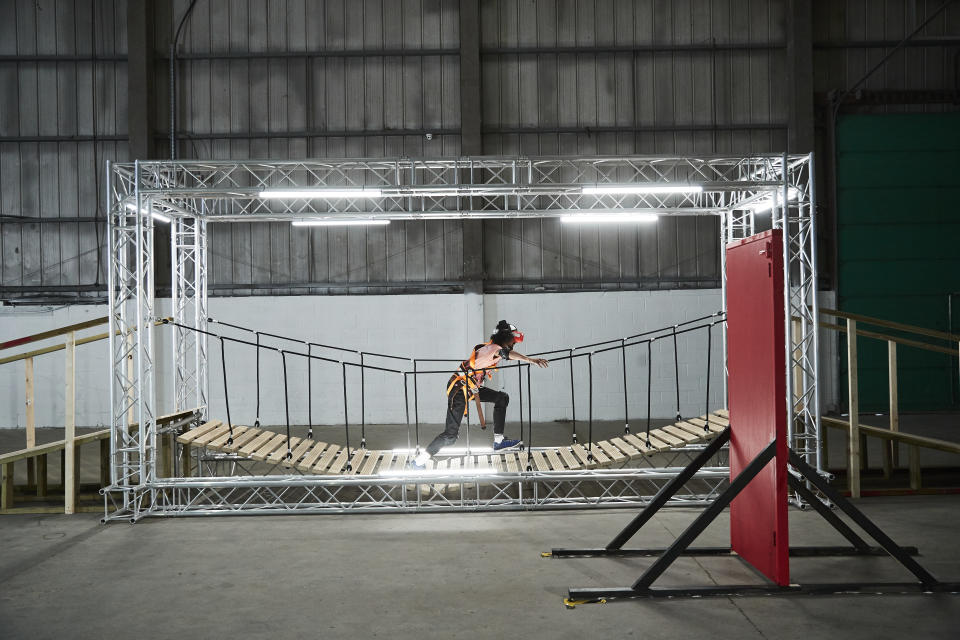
(540, 362)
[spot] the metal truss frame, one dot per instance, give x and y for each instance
(193, 194)
(399, 494)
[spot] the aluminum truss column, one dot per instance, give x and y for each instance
(131, 306)
(794, 212)
(189, 306)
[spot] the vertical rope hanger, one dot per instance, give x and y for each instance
(256, 422)
(649, 387)
(226, 394)
(286, 402)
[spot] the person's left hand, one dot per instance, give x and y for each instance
(540, 362)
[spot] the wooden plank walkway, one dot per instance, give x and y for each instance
(310, 456)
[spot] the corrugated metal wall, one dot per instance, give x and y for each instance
(296, 78)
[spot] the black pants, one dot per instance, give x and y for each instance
(455, 406)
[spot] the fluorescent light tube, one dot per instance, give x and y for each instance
(588, 218)
(338, 223)
(641, 188)
(156, 216)
(320, 193)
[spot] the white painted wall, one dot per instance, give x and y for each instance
(428, 326)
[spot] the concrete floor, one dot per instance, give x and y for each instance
(440, 576)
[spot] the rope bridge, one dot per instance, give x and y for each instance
(308, 455)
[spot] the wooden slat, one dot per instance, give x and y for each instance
(218, 443)
(356, 460)
(211, 435)
(371, 463)
(638, 442)
(256, 443)
(631, 451)
(599, 456)
(276, 444)
(683, 434)
(386, 459)
(694, 431)
(326, 458)
(669, 438)
(193, 434)
(615, 455)
(723, 413)
(556, 464)
(306, 463)
(582, 455)
(453, 464)
(244, 438)
(299, 450)
(510, 460)
(339, 463)
(499, 464)
(700, 422)
(540, 462)
(569, 459)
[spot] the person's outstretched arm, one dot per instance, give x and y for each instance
(540, 362)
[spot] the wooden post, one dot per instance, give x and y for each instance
(853, 462)
(185, 461)
(42, 476)
(6, 486)
(31, 417)
(892, 451)
(70, 427)
(166, 455)
(914, 467)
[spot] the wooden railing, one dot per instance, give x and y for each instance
(857, 432)
(70, 440)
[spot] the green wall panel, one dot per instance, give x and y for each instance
(898, 239)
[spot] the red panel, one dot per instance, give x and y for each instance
(756, 355)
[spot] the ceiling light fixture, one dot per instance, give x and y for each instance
(329, 194)
(346, 222)
(608, 189)
(618, 218)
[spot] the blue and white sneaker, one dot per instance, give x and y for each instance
(505, 444)
(413, 466)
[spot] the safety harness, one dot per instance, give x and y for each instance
(468, 383)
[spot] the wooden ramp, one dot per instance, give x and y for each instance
(313, 456)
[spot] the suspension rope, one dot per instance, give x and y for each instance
(256, 422)
(649, 384)
(626, 411)
(529, 409)
(676, 369)
(309, 392)
(520, 387)
(706, 426)
(226, 395)
(363, 403)
(590, 409)
(406, 405)
(416, 407)
(346, 420)
(573, 397)
(286, 402)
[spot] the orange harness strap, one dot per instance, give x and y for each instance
(470, 386)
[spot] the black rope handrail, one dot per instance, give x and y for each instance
(672, 332)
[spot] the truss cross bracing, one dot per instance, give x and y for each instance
(194, 194)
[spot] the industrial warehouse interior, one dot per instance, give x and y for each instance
(479, 318)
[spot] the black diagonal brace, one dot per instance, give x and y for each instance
(704, 519)
(669, 490)
(862, 521)
(798, 485)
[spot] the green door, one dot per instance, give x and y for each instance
(898, 227)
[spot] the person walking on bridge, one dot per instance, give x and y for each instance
(467, 385)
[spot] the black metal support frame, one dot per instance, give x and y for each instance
(643, 587)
